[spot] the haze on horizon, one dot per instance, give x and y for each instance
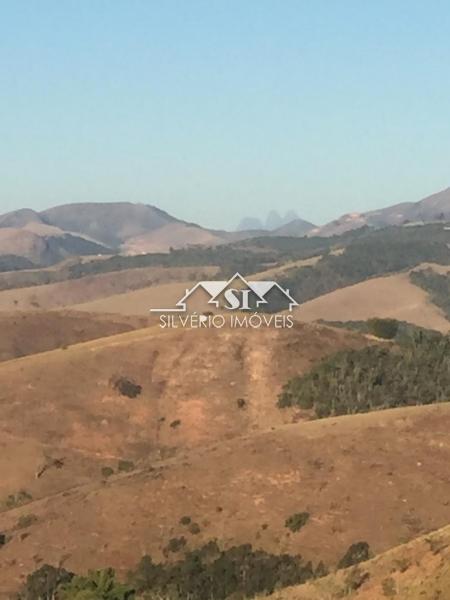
(217, 111)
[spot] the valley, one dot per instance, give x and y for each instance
(121, 439)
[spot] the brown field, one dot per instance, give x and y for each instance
(67, 397)
(94, 287)
(205, 437)
(138, 302)
(379, 477)
(418, 570)
(25, 333)
(387, 297)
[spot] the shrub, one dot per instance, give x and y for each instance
(383, 328)
(44, 582)
(176, 544)
(175, 423)
(26, 521)
(107, 472)
(389, 587)
(98, 585)
(241, 403)
(356, 553)
(125, 466)
(297, 521)
(194, 528)
(354, 580)
(2, 539)
(127, 387)
(18, 499)
(185, 520)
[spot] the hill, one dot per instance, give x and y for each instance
(25, 333)
(394, 296)
(243, 490)
(431, 209)
(71, 292)
(195, 376)
(99, 228)
(41, 245)
(414, 571)
(297, 227)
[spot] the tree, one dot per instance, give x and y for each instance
(98, 585)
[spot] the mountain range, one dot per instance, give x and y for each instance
(32, 238)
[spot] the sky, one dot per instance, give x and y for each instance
(215, 110)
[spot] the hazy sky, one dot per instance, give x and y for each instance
(214, 110)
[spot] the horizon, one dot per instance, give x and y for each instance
(215, 113)
(262, 217)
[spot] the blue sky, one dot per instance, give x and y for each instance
(215, 110)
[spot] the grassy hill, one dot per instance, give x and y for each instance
(25, 333)
(393, 296)
(418, 570)
(244, 490)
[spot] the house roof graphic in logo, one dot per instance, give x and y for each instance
(224, 294)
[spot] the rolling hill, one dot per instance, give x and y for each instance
(417, 570)
(393, 296)
(243, 490)
(431, 209)
(25, 333)
(51, 235)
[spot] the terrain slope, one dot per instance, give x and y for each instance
(392, 296)
(378, 477)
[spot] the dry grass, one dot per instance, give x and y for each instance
(379, 477)
(95, 287)
(387, 297)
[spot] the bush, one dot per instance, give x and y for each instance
(125, 466)
(175, 423)
(389, 587)
(43, 583)
(194, 529)
(107, 471)
(185, 520)
(176, 544)
(98, 585)
(354, 580)
(383, 328)
(297, 521)
(127, 387)
(18, 499)
(356, 553)
(26, 521)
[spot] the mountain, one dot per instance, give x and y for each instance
(110, 223)
(296, 228)
(44, 247)
(46, 237)
(274, 222)
(432, 208)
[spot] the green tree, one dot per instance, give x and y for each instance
(98, 585)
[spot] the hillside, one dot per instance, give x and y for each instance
(100, 228)
(243, 490)
(195, 376)
(428, 210)
(25, 333)
(393, 296)
(93, 287)
(415, 571)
